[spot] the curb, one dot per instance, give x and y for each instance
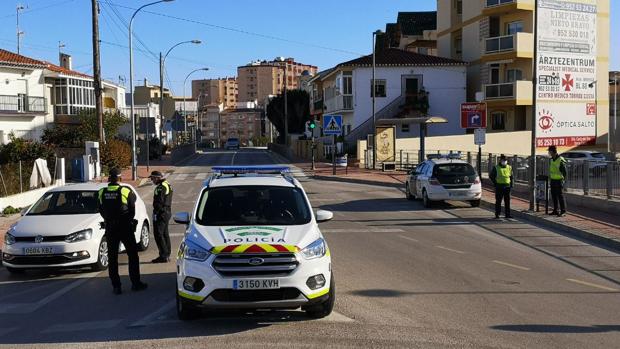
(607, 242)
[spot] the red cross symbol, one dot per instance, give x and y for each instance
(567, 83)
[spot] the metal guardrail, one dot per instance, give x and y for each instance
(500, 44)
(584, 177)
(22, 104)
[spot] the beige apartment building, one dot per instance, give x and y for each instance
(413, 32)
(496, 38)
(147, 93)
(261, 79)
(216, 91)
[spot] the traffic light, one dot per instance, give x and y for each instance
(312, 124)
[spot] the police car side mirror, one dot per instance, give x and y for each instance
(24, 211)
(181, 218)
(323, 216)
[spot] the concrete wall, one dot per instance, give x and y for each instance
(24, 199)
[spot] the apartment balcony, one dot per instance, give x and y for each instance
(22, 104)
(499, 7)
(509, 93)
(339, 103)
(519, 45)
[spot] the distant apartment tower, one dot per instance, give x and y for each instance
(216, 91)
(496, 38)
(413, 32)
(261, 79)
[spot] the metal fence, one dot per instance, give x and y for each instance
(601, 178)
(15, 176)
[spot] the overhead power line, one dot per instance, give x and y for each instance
(241, 31)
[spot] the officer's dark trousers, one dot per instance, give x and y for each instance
(116, 234)
(162, 236)
(502, 192)
(557, 195)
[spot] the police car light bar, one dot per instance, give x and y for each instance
(221, 170)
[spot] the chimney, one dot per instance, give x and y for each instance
(65, 61)
(146, 82)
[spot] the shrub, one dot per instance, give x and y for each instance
(115, 154)
(9, 210)
(19, 149)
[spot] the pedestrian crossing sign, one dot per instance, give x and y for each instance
(332, 125)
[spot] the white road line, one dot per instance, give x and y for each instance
(511, 265)
(201, 176)
(232, 161)
(450, 249)
(181, 177)
(154, 315)
(337, 317)
(26, 308)
(408, 238)
(593, 285)
(387, 230)
(83, 326)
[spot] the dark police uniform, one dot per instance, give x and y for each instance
(501, 176)
(162, 211)
(117, 207)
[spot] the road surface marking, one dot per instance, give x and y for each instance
(232, 161)
(154, 315)
(361, 230)
(25, 308)
(408, 238)
(181, 177)
(449, 249)
(511, 265)
(337, 317)
(83, 326)
(202, 176)
(592, 285)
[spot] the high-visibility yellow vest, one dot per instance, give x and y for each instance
(503, 174)
(112, 188)
(554, 169)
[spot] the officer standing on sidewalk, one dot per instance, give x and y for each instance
(118, 209)
(501, 176)
(557, 175)
(162, 204)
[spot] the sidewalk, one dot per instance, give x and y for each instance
(163, 165)
(581, 222)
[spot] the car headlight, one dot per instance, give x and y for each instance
(9, 239)
(81, 235)
(192, 251)
(316, 249)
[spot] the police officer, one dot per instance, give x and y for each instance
(117, 207)
(501, 176)
(162, 203)
(557, 175)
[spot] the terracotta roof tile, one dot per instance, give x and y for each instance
(396, 57)
(65, 71)
(8, 57)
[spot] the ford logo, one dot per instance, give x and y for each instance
(38, 239)
(256, 261)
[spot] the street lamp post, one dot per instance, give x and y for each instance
(134, 158)
(374, 92)
(184, 97)
(594, 84)
(615, 112)
(162, 62)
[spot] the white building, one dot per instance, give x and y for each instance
(401, 77)
(147, 115)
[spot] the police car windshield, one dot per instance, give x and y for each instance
(253, 205)
(65, 203)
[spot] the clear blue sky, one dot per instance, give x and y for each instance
(335, 24)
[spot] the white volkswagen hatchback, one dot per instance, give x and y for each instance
(64, 229)
(253, 242)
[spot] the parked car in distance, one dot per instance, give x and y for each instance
(595, 159)
(232, 143)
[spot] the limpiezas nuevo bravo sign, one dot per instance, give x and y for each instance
(566, 62)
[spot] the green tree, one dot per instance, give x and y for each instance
(298, 112)
(86, 130)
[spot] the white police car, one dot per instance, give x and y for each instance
(252, 242)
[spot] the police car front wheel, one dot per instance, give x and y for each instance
(186, 310)
(326, 307)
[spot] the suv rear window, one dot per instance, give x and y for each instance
(441, 170)
(252, 205)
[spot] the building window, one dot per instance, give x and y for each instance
(514, 27)
(380, 90)
(458, 6)
(458, 45)
(404, 128)
(498, 120)
(513, 75)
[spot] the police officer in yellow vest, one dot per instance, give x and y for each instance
(117, 207)
(501, 176)
(557, 175)
(162, 204)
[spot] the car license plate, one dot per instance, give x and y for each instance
(458, 194)
(38, 250)
(262, 284)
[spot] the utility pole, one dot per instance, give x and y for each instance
(161, 99)
(285, 104)
(533, 171)
(97, 70)
(19, 33)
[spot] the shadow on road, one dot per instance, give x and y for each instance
(386, 293)
(557, 328)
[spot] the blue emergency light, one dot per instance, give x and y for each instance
(261, 169)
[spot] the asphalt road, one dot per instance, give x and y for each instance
(407, 277)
